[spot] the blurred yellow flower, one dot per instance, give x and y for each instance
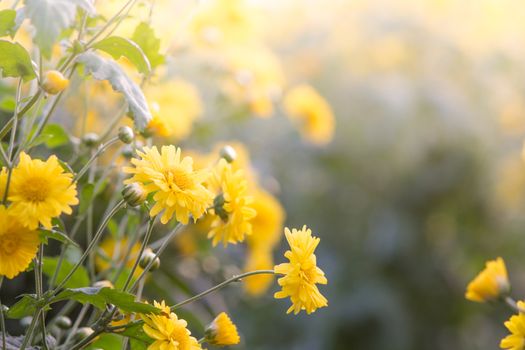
(490, 283)
(311, 113)
(174, 106)
(112, 251)
(168, 331)
(178, 189)
(3, 182)
(222, 331)
(255, 79)
(221, 22)
(258, 259)
(516, 326)
(18, 244)
(233, 209)
(301, 274)
(40, 191)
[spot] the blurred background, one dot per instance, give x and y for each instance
(417, 180)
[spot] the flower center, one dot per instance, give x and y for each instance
(8, 244)
(36, 189)
(180, 178)
(307, 275)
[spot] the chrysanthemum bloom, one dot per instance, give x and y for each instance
(178, 188)
(222, 331)
(174, 106)
(40, 191)
(311, 112)
(490, 283)
(516, 326)
(301, 274)
(168, 331)
(233, 206)
(18, 245)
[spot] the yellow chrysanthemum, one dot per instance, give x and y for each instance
(233, 206)
(174, 106)
(222, 331)
(168, 331)
(490, 283)
(40, 191)
(178, 189)
(301, 274)
(266, 232)
(18, 245)
(113, 251)
(3, 182)
(516, 326)
(311, 112)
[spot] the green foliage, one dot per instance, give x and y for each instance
(103, 69)
(53, 136)
(15, 61)
(99, 297)
(80, 277)
(118, 46)
(135, 331)
(51, 17)
(7, 22)
(106, 342)
(145, 37)
(56, 235)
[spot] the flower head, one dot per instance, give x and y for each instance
(18, 245)
(311, 112)
(222, 331)
(516, 326)
(168, 331)
(178, 188)
(490, 283)
(40, 191)
(301, 274)
(232, 208)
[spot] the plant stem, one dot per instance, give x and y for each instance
(236, 278)
(147, 236)
(99, 151)
(29, 333)
(2, 320)
(92, 244)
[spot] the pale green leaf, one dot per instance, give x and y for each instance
(15, 61)
(7, 22)
(118, 46)
(145, 37)
(80, 277)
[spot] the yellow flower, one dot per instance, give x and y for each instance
(18, 245)
(54, 82)
(113, 251)
(301, 274)
(311, 112)
(168, 331)
(490, 283)
(3, 182)
(174, 106)
(222, 331)
(178, 188)
(232, 207)
(516, 326)
(40, 191)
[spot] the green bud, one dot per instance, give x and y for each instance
(134, 194)
(147, 257)
(228, 153)
(63, 322)
(125, 134)
(91, 139)
(83, 333)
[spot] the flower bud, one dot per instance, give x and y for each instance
(90, 139)
(83, 333)
(228, 153)
(147, 257)
(221, 331)
(5, 308)
(63, 322)
(54, 82)
(125, 134)
(134, 194)
(26, 321)
(103, 284)
(128, 151)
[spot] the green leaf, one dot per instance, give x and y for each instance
(7, 22)
(139, 345)
(51, 17)
(135, 331)
(145, 37)
(52, 136)
(118, 46)
(15, 61)
(80, 277)
(86, 196)
(103, 69)
(106, 342)
(99, 297)
(56, 235)
(24, 307)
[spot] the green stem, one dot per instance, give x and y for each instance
(7, 127)
(2, 320)
(92, 244)
(147, 236)
(29, 333)
(100, 150)
(236, 278)
(109, 23)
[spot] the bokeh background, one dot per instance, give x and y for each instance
(422, 181)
